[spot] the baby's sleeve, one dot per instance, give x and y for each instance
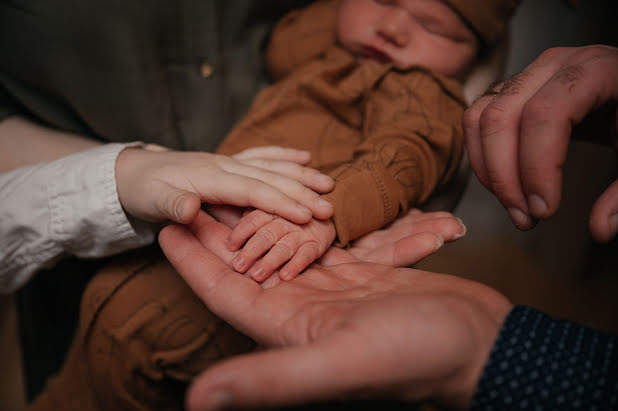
(412, 144)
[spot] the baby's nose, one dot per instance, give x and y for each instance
(394, 27)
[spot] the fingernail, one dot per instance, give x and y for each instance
(257, 273)
(521, 220)
(218, 400)
(229, 245)
(325, 178)
(239, 264)
(439, 242)
(324, 203)
(463, 232)
(179, 206)
(303, 209)
(304, 153)
(537, 205)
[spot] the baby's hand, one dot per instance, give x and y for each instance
(273, 241)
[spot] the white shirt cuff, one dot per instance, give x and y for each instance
(67, 206)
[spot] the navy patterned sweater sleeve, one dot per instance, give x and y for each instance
(542, 363)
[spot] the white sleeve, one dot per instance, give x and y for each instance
(66, 206)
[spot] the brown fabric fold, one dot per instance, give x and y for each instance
(388, 138)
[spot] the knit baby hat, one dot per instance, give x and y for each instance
(487, 18)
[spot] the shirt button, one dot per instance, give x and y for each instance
(206, 70)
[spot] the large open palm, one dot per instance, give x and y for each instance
(338, 330)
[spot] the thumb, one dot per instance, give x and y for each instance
(604, 215)
(406, 251)
(178, 205)
(274, 378)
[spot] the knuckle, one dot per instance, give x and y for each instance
(284, 250)
(257, 219)
(571, 74)
(266, 235)
(493, 120)
(310, 250)
(551, 54)
(251, 251)
(593, 52)
(471, 117)
(536, 110)
(515, 84)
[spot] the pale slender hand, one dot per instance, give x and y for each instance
(161, 185)
(268, 242)
(517, 136)
(345, 330)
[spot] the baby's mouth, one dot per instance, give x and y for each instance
(373, 53)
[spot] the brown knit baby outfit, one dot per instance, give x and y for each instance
(388, 138)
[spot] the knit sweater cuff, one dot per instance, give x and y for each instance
(543, 363)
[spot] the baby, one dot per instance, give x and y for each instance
(372, 89)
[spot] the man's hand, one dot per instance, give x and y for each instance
(345, 330)
(161, 185)
(517, 135)
(269, 242)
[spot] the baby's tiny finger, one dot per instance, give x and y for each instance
(262, 241)
(279, 254)
(248, 225)
(305, 255)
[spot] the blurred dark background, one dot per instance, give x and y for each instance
(555, 267)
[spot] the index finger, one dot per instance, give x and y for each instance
(500, 133)
(275, 153)
(242, 191)
(578, 88)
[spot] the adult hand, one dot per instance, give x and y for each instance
(344, 330)
(160, 185)
(517, 136)
(406, 241)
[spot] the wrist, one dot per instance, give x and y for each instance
(124, 168)
(483, 320)
(131, 162)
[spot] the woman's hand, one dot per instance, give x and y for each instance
(158, 185)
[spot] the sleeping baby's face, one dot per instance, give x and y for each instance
(407, 32)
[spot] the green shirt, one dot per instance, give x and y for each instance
(173, 72)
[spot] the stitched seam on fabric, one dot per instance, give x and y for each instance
(382, 189)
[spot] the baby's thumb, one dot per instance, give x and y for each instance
(180, 206)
